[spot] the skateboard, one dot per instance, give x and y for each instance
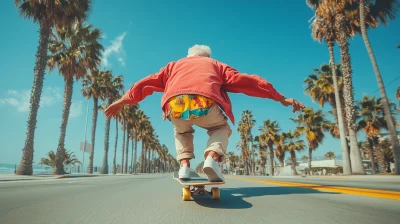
(197, 183)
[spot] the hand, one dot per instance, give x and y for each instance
(114, 108)
(296, 105)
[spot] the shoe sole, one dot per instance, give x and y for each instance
(212, 175)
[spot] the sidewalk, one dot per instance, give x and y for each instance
(13, 177)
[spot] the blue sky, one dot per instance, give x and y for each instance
(271, 39)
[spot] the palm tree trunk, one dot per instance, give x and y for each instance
(94, 124)
(333, 104)
(271, 158)
(59, 163)
(343, 141)
(148, 160)
(126, 148)
(371, 155)
(133, 147)
(293, 158)
(135, 158)
(165, 165)
(392, 131)
(355, 155)
(253, 161)
(25, 166)
(381, 161)
(142, 156)
(104, 167)
(151, 161)
(123, 147)
(309, 159)
(115, 148)
(145, 158)
(282, 162)
(344, 118)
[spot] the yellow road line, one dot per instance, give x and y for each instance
(394, 195)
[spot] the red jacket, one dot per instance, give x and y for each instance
(204, 76)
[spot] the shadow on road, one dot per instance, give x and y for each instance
(233, 198)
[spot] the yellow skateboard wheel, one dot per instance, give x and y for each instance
(186, 194)
(215, 193)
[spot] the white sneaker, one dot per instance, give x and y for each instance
(184, 172)
(212, 170)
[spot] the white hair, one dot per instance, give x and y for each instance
(199, 50)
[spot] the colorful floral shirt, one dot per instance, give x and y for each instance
(188, 106)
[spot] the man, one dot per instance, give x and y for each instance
(195, 93)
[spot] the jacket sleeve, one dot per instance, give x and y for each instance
(148, 85)
(251, 85)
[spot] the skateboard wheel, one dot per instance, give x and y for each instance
(215, 193)
(186, 194)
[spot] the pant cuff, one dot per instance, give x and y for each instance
(217, 149)
(185, 155)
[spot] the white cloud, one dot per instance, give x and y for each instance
(76, 109)
(116, 48)
(20, 99)
(121, 60)
(51, 95)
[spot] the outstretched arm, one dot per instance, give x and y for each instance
(253, 85)
(140, 90)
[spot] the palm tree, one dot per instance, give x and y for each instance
(371, 119)
(323, 28)
(47, 14)
(174, 164)
(381, 11)
(117, 120)
(312, 124)
(398, 93)
(139, 116)
(342, 19)
(292, 145)
(50, 160)
(93, 86)
(262, 151)
(363, 146)
(129, 115)
(123, 120)
(155, 145)
(74, 50)
(320, 87)
(145, 135)
(69, 158)
(113, 87)
(385, 154)
(269, 131)
(150, 140)
(330, 155)
(165, 153)
(115, 145)
(246, 123)
(230, 160)
(280, 150)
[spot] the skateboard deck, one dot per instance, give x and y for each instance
(197, 183)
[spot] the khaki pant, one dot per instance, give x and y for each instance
(217, 128)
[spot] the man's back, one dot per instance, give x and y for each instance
(189, 73)
(201, 76)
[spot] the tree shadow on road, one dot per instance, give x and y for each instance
(233, 198)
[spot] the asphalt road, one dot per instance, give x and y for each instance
(157, 198)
